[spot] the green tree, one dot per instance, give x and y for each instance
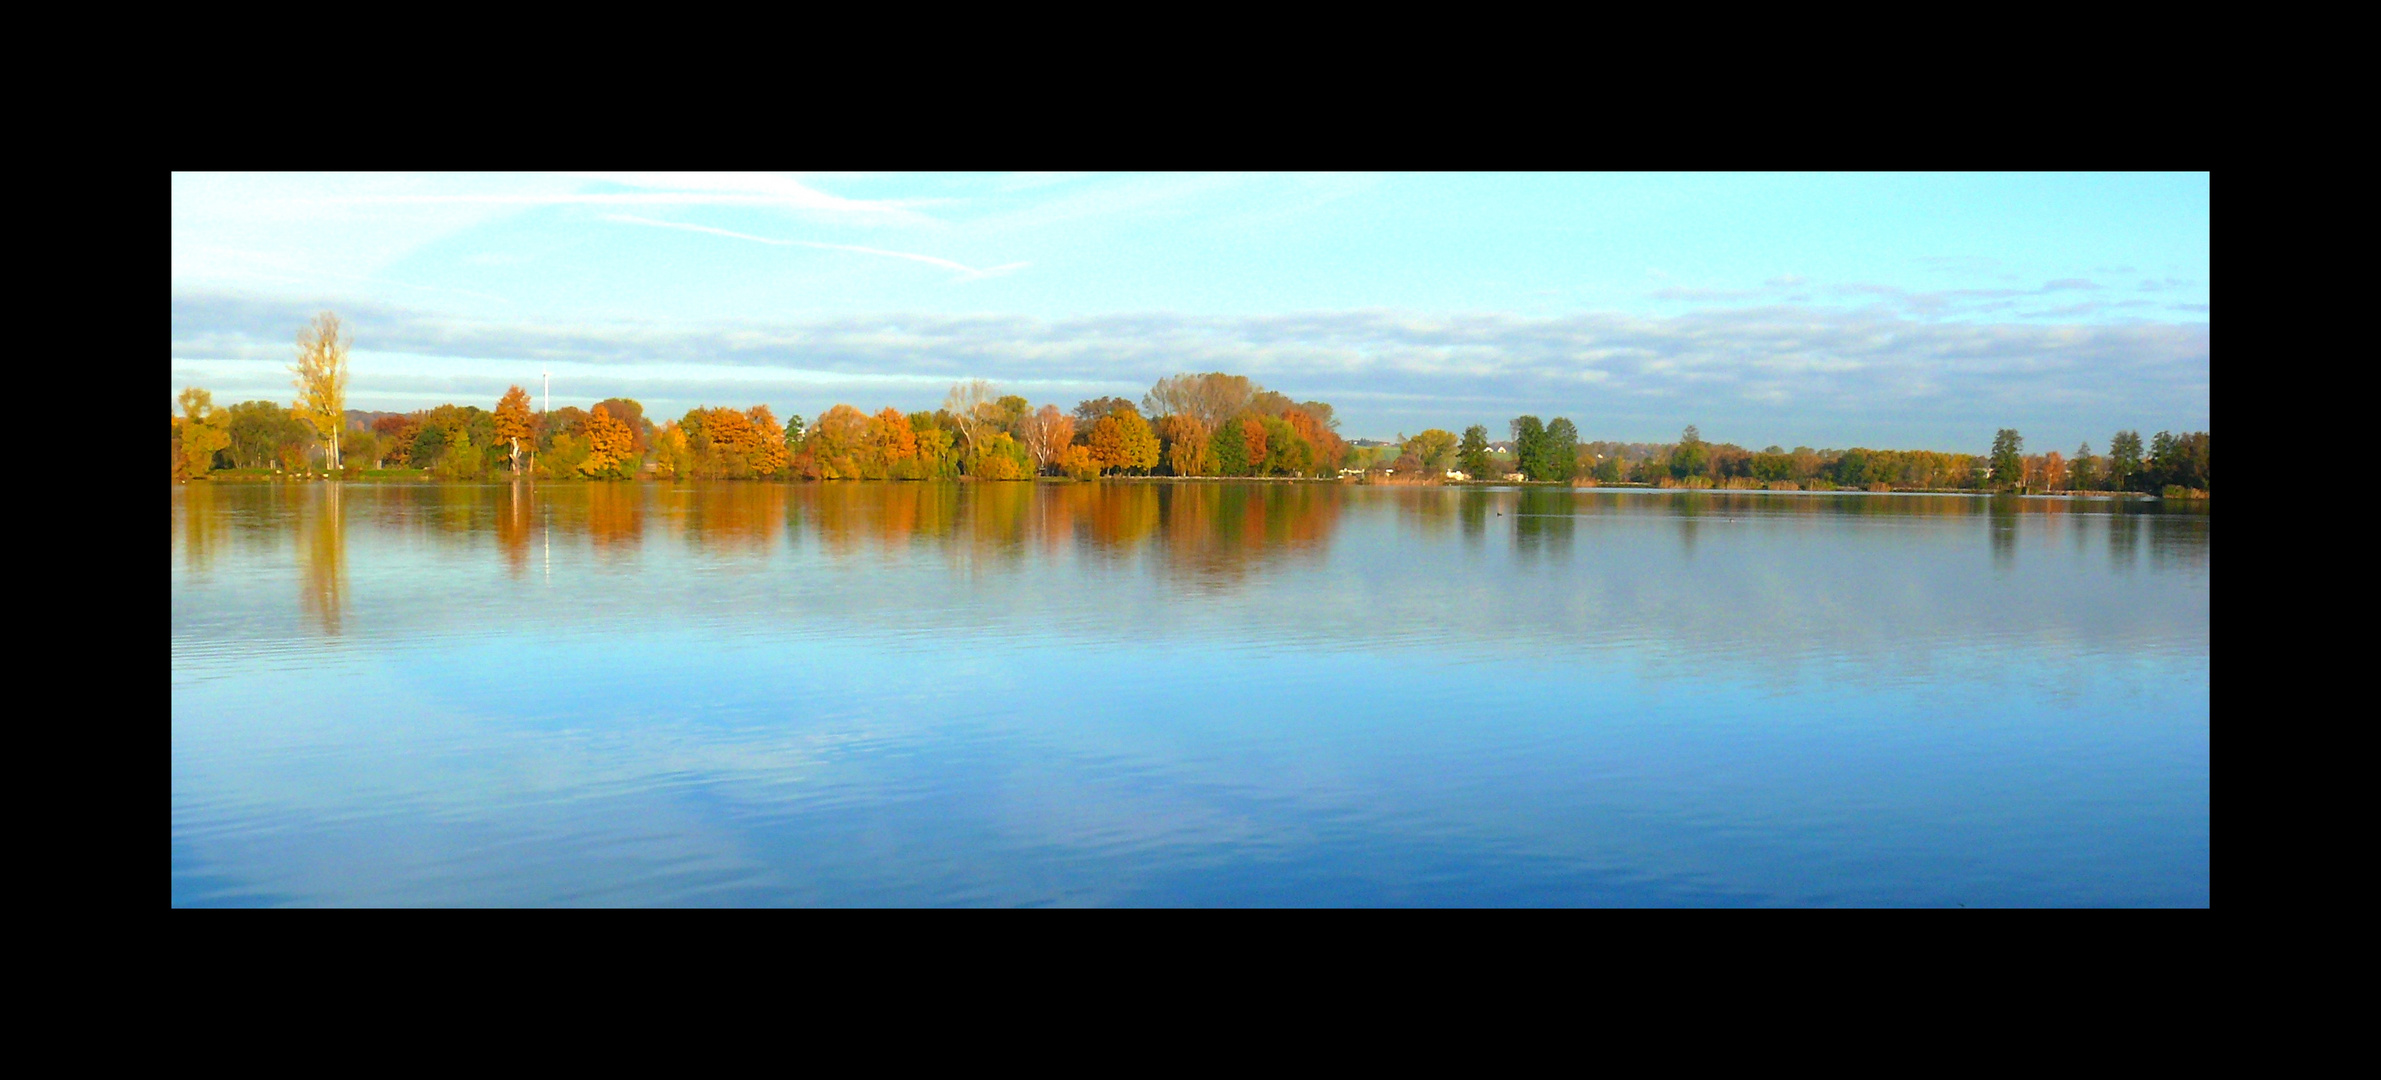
(461, 460)
(2124, 460)
(1529, 444)
(2081, 476)
(1852, 469)
(1691, 454)
(2159, 470)
(1229, 446)
(2008, 461)
(1472, 452)
(1561, 452)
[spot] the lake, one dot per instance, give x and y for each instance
(1193, 694)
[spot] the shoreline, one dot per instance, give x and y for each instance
(1460, 485)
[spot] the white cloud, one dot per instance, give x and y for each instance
(1791, 374)
(967, 273)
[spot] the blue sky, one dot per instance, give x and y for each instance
(1816, 309)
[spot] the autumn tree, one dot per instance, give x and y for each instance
(1431, 449)
(1286, 452)
(1140, 443)
(514, 424)
(971, 404)
(1089, 412)
(609, 444)
(673, 458)
(1009, 413)
(768, 442)
(199, 432)
(1123, 441)
(1187, 445)
(1329, 448)
(1254, 443)
(321, 371)
(1076, 462)
(892, 445)
(1209, 399)
(1106, 443)
(1048, 432)
(632, 413)
(840, 441)
(938, 455)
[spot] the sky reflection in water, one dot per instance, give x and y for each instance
(1123, 694)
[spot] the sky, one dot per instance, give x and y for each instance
(1822, 310)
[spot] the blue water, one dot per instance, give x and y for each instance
(1208, 694)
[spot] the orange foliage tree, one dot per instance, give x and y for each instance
(895, 441)
(1122, 440)
(609, 445)
(768, 451)
(1252, 435)
(1075, 461)
(1047, 432)
(1187, 450)
(515, 425)
(1329, 449)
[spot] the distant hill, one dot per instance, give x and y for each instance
(359, 419)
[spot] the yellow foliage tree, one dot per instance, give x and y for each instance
(1139, 445)
(673, 458)
(321, 371)
(199, 432)
(1075, 461)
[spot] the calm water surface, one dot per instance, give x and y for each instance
(1200, 694)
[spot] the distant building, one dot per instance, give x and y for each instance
(1515, 476)
(1458, 474)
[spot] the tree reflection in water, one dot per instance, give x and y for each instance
(513, 529)
(322, 548)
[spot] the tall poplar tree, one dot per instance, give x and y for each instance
(321, 371)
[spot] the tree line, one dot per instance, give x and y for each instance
(1551, 451)
(1211, 424)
